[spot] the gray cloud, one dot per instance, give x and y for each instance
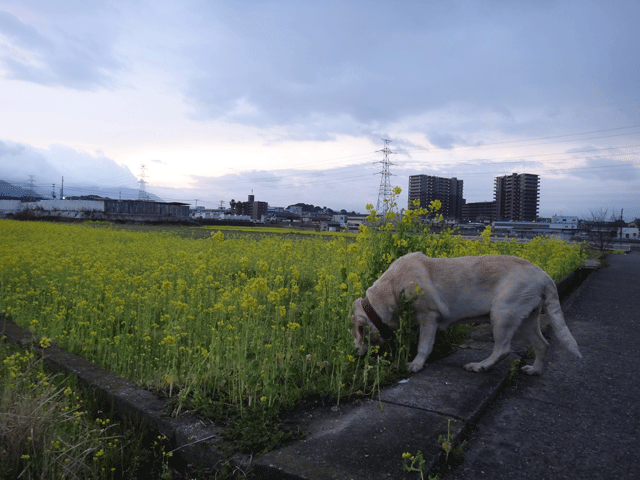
(75, 59)
(261, 67)
(48, 166)
(18, 161)
(607, 169)
(443, 140)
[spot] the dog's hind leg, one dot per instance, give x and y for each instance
(505, 326)
(531, 330)
(428, 327)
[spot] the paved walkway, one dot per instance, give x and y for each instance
(581, 418)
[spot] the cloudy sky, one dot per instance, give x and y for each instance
(290, 100)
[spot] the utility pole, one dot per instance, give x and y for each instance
(384, 194)
(621, 224)
(62, 189)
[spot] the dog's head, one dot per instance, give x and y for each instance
(364, 333)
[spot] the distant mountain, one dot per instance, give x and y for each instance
(8, 190)
(19, 191)
(107, 192)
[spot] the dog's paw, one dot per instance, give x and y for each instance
(529, 370)
(415, 367)
(474, 367)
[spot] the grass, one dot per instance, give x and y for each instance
(49, 428)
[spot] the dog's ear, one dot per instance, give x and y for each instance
(358, 326)
(358, 330)
(354, 309)
(354, 306)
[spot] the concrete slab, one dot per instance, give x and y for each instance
(446, 388)
(366, 442)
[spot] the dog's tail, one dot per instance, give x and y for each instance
(554, 313)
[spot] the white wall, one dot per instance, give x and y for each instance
(9, 206)
(561, 222)
(630, 233)
(13, 206)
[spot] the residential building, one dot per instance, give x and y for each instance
(426, 188)
(255, 210)
(517, 197)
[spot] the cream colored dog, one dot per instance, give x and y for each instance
(506, 291)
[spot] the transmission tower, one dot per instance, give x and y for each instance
(384, 195)
(32, 185)
(142, 192)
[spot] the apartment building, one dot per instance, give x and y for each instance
(427, 188)
(255, 210)
(517, 197)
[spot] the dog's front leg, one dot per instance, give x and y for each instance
(428, 327)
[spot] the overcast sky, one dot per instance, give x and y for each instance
(290, 100)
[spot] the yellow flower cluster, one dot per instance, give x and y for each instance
(152, 305)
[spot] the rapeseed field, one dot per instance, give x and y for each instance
(225, 325)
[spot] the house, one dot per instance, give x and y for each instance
(339, 219)
(563, 222)
(627, 233)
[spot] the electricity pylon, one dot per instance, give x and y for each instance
(142, 193)
(384, 194)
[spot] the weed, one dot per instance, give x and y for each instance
(447, 443)
(49, 429)
(413, 463)
(514, 368)
(258, 432)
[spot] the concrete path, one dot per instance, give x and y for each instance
(581, 418)
(366, 440)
